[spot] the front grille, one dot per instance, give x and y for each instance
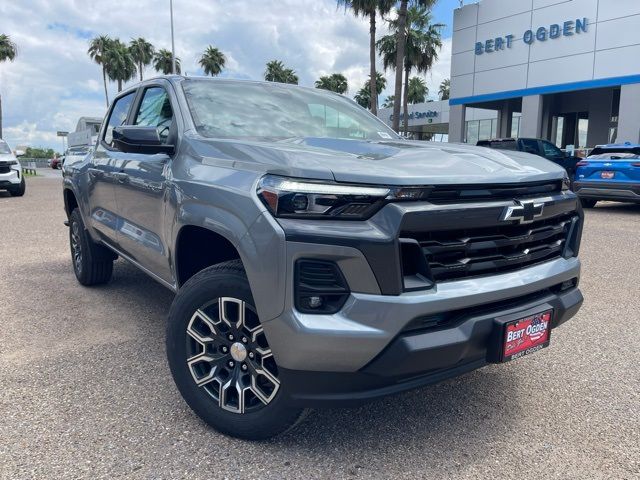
(4, 168)
(465, 253)
(447, 194)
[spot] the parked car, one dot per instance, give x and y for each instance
(11, 178)
(317, 257)
(56, 162)
(535, 146)
(610, 172)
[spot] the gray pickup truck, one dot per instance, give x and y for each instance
(317, 257)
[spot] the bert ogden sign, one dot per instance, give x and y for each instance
(542, 34)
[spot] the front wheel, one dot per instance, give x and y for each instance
(588, 202)
(19, 190)
(220, 358)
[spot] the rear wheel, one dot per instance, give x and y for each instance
(19, 190)
(588, 202)
(92, 263)
(220, 358)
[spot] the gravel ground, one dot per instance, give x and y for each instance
(85, 390)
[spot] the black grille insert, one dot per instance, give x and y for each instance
(464, 253)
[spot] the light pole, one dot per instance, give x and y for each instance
(173, 45)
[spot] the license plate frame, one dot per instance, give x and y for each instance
(607, 175)
(526, 335)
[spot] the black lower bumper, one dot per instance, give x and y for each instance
(416, 359)
(623, 192)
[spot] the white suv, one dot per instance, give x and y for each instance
(11, 178)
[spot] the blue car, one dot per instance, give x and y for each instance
(610, 172)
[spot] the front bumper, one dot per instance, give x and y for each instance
(624, 192)
(10, 179)
(419, 358)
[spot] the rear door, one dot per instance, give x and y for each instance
(141, 190)
(101, 173)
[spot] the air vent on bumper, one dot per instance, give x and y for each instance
(319, 287)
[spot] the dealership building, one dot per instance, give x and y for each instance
(564, 70)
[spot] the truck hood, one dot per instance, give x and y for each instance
(393, 162)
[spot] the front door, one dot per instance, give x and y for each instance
(141, 189)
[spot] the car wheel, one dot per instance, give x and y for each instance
(588, 202)
(220, 358)
(92, 263)
(19, 190)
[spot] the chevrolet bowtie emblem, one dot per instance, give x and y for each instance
(523, 212)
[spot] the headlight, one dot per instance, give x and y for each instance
(288, 197)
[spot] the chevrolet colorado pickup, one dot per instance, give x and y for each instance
(317, 257)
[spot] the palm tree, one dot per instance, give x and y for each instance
(8, 51)
(388, 102)
(401, 38)
(119, 63)
(445, 89)
(336, 82)
(97, 49)
(363, 97)
(418, 90)
(163, 62)
(423, 41)
(212, 61)
(142, 53)
(277, 72)
(369, 8)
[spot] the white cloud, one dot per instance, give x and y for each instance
(53, 81)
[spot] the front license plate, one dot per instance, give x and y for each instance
(526, 335)
(607, 175)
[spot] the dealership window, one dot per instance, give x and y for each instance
(615, 112)
(481, 130)
(515, 127)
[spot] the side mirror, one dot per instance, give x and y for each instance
(19, 153)
(138, 139)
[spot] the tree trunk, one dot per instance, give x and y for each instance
(104, 79)
(119, 85)
(140, 68)
(405, 100)
(372, 58)
(401, 39)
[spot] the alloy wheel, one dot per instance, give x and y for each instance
(76, 248)
(229, 357)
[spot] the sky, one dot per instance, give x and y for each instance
(53, 82)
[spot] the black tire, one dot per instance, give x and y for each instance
(19, 190)
(588, 202)
(92, 263)
(209, 286)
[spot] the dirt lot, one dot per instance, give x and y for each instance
(85, 391)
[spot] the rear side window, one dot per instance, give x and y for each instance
(620, 152)
(118, 116)
(155, 111)
(508, 145)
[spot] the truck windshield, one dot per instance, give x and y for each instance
(4, 148)
(228, 109)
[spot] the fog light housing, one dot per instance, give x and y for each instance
(319, 287)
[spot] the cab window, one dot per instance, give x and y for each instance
(529, 145)
(118, 116)
(551, 151)
(155, 111)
